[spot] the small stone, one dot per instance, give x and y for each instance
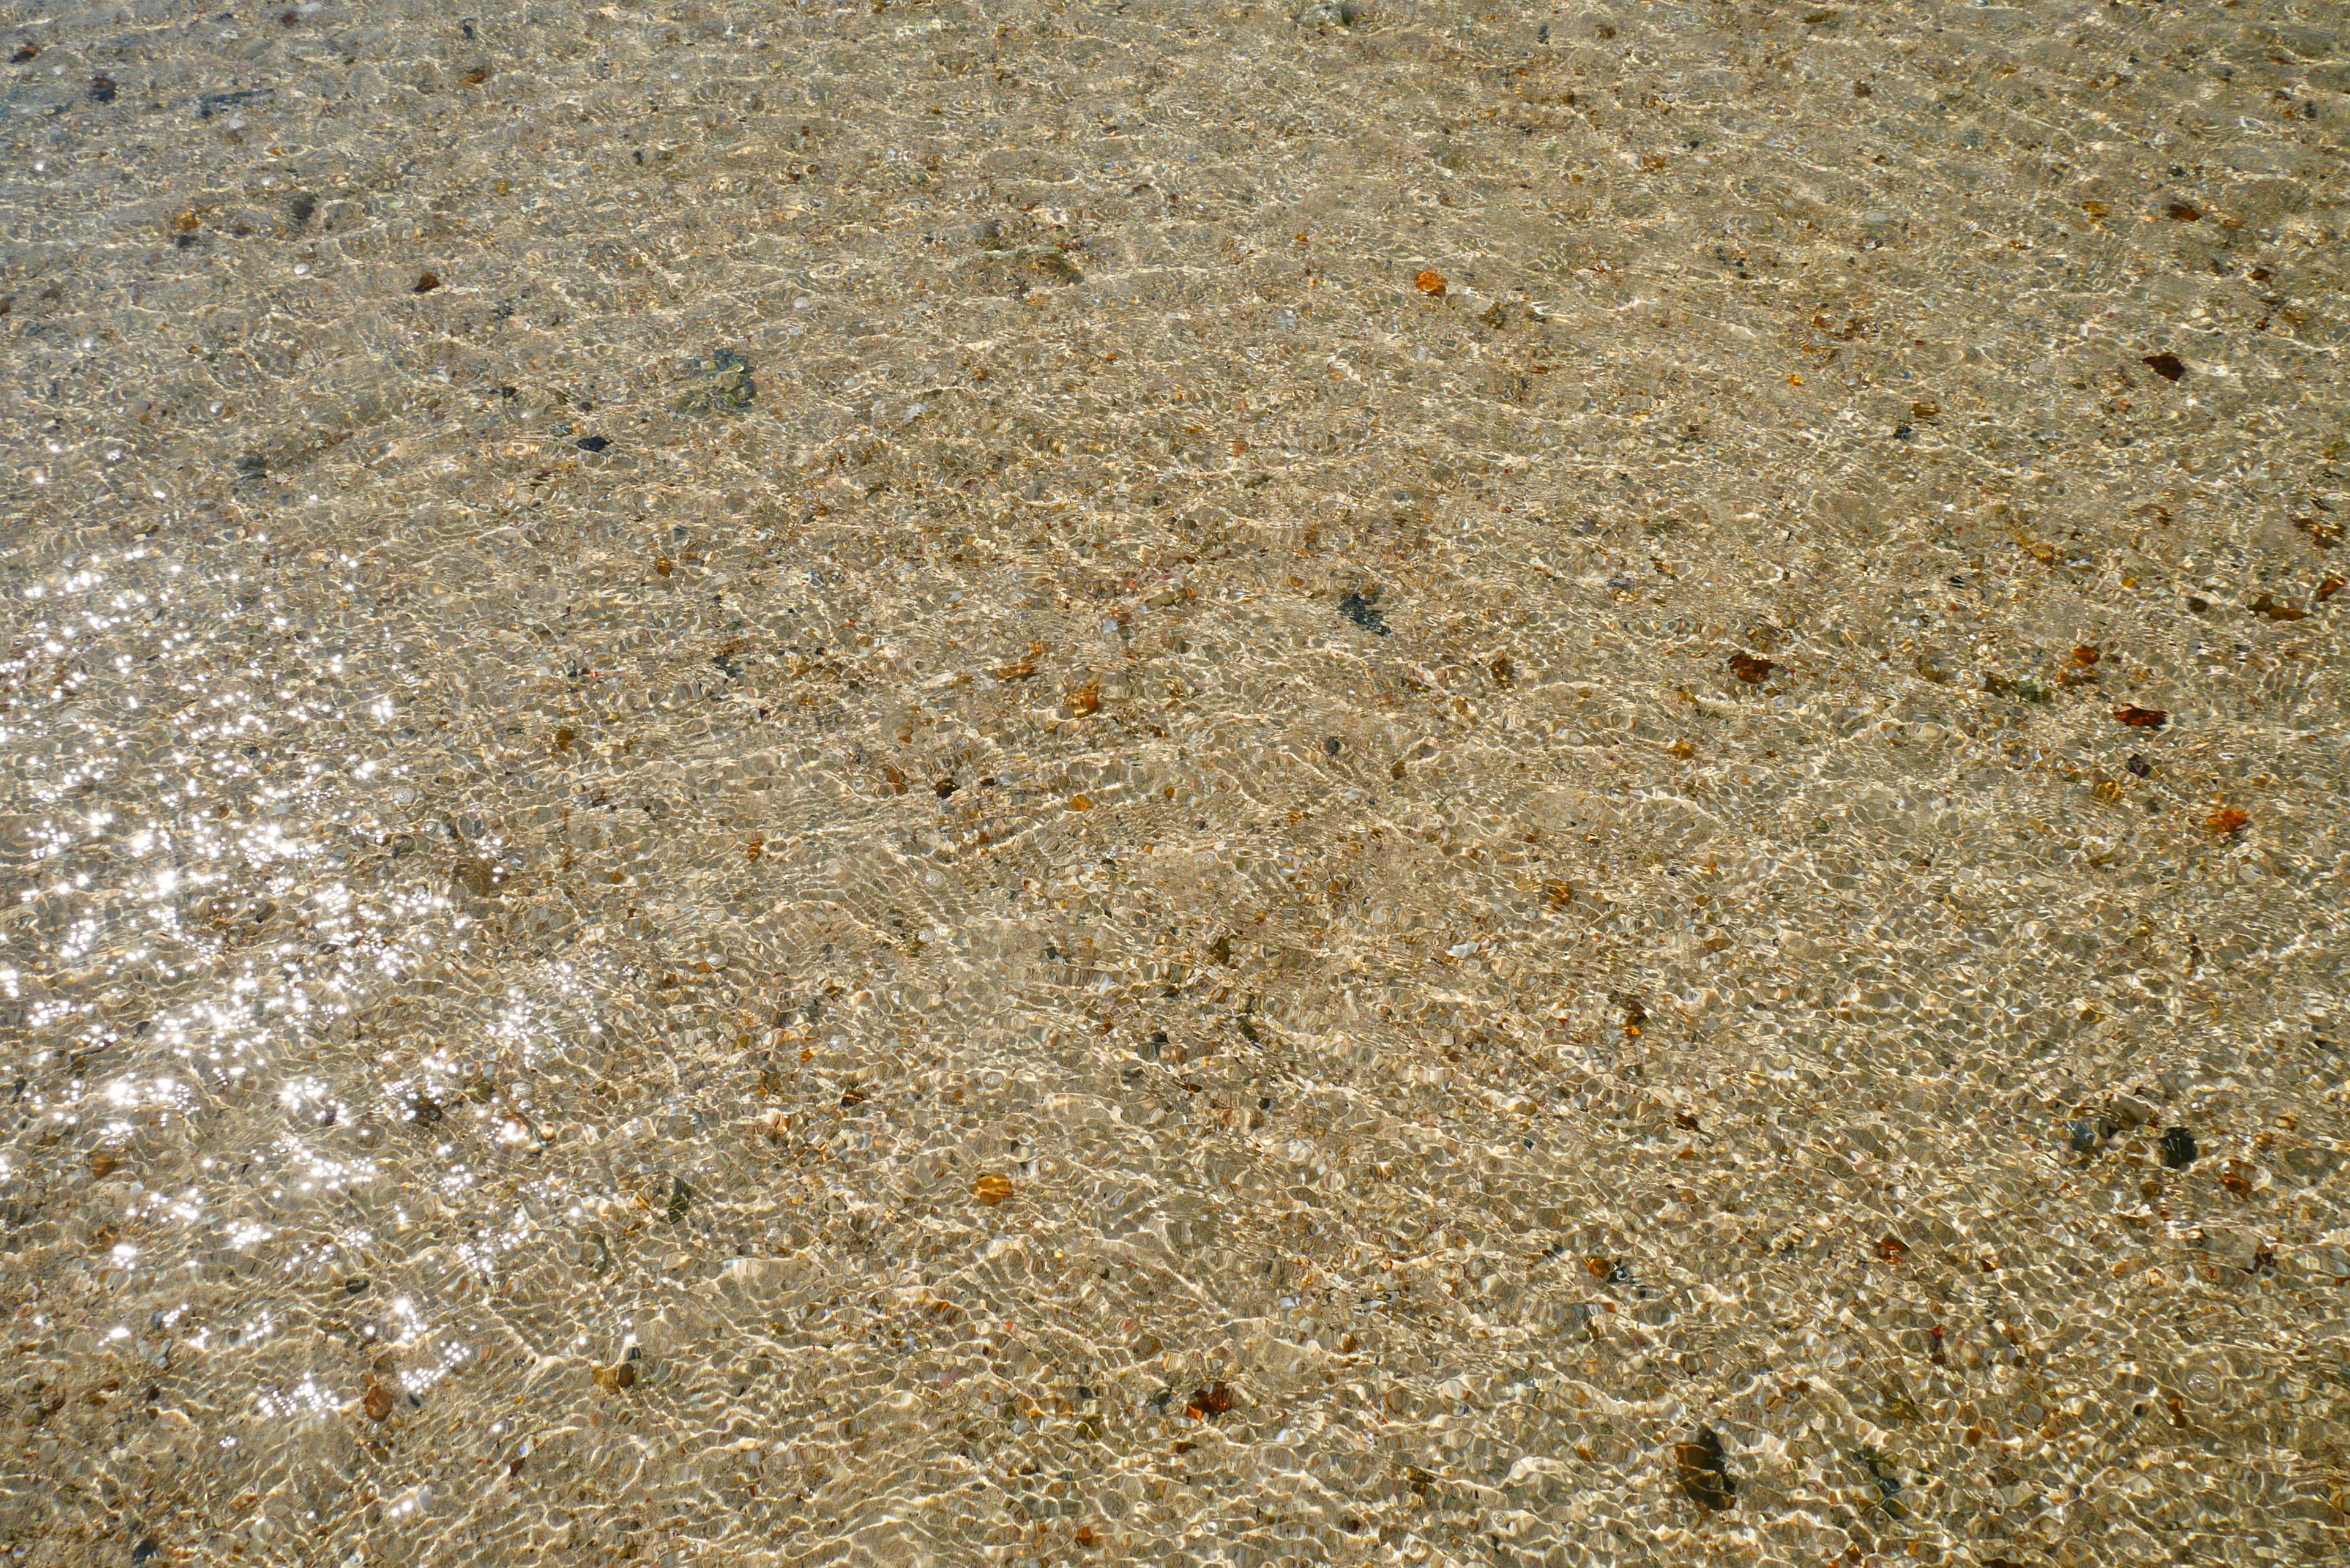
(1705, 1473)
(2083, 1137)
(377, 1401)
(992, 1189)
(2324, 536)
(2178, 1150)
(2138, 718)
(1358, 608)
(2139, 767)
(1209, 1399)
(101, 89)
(1429, 283)
(2169, 367)
(681, 1198)
(592, 443)
(1750, 670)
(724, 386)
(426, 282)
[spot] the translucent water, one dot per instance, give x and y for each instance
(1134, 782)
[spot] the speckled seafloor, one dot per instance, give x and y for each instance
(1125, 782)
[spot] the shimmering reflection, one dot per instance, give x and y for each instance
(1047, 784)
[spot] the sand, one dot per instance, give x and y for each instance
(1133, 783)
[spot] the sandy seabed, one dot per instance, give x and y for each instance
(1132, 782)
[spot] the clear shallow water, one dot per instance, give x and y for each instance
(1146, 783)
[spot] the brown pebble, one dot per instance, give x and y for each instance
(2143, 718)
(1704, 1473)
(2226, 820)
(992, 1189)
(1209, 1399)
(1429, 283)
(378, 1401)
(428, 283)
(1750, 670)
(2169, 367)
